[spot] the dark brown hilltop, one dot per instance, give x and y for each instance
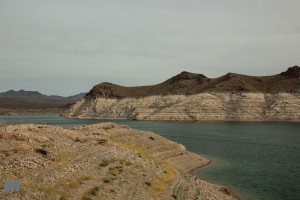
(187, 83)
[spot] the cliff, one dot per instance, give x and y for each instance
(189, 96)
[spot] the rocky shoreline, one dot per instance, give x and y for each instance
(101, 161)
(200, 107)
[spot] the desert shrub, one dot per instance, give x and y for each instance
(104, 163)
(151, 138)
(106, 181)
(115, 170)
(111, 190)
(148, 183)
(94, 191)
(41, 151)
(86, 198)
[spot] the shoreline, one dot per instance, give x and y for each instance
(60, 114)
(228, 191)
(178, 120)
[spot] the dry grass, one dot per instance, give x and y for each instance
(160, 185)
(64, 187)
(67, 157)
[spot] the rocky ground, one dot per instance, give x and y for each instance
(101, 161)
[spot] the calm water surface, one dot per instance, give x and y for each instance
(256, 160)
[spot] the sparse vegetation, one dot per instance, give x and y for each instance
(41, 151)
(197, 197)
(94, 191)
(111, 190)
(46, 145)
(124, 162)
(104, 163)
(115, 170)
(86, 198)
(106, 181)
(63, 186)
(65, 156)
(161, 183)
(148, 183)
(78, 180)
(151, 138)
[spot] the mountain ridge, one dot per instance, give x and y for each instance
(187, 83)
(194, 97)
(35, 94)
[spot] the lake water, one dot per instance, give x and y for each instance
(256, 160)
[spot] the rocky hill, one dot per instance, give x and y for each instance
(101, 161)
(189, 96)
(37, 95)
(21, 93)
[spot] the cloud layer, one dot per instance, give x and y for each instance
(67, 46)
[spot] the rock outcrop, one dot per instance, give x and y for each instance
(188, 96)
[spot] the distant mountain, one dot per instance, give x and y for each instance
(38, 95)
(21, 93)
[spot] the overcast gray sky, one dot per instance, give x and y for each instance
(66, 46)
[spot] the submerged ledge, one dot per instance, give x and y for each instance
(103, 160)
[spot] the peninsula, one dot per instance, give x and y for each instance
(100, 161)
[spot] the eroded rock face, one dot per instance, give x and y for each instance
(189, 96)
(203, 107)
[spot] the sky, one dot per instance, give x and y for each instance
(65, 47)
